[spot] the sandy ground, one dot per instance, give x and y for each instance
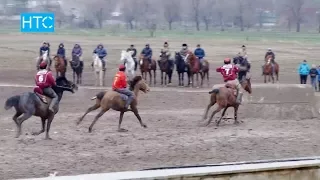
(174, 135)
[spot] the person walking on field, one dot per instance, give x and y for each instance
(318, 70)
(304, 71)
(313, 76)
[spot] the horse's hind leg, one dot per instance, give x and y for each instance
(92, 108)
(20, 120)
(165, 78)
(96, 118)
(205, 116)
(50, 118)
(161, 78)
(223, 113)
(43, 123)
(154, 76)
(236, 115)
(136, 113)
(15, 117)
(207, 78)
(213, 113)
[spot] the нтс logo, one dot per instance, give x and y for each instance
(36, 22)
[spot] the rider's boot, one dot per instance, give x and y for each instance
(262, 70)
(239, 97)
(130, 99)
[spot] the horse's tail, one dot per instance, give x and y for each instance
(99, 96)
(216, 91)
(12, 101)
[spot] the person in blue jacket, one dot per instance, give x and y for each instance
(199, 52)
(304, 71)
(62, 53)
(45, 47)
(147, 52)
(313, 76)
(318, 70)
(102, 53)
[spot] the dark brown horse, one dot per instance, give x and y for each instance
(269, 71)
(145, 68)
(205, 71)
(225, 97)
(59, 65)
(166, 68)
(77, 67)
(194, 64)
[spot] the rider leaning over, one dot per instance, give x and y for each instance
(45, 81)
(45, 47)
(229, 73)
(102, 53)
(62, 53)
(120, 85)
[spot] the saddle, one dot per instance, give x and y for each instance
(232, 87)
(39, 93)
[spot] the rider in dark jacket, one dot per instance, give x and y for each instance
(269, 52)
(244, 67)
(132, 48)
(77, 51)
(102, 53)
(62, 53)
(45, 47)
(147, 52)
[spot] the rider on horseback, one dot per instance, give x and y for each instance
(229, 73)
(62, 53)
(45, 47)
(166, 50)
(102, 53)
(243, 51)
(132, 48)
(184, 51)
(244, 67)
(77, 51)
(268, 53)
(199, 52)
(45, 81)
(147, 52)
(120, 85)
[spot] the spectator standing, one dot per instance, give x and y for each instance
(313, 76)
(304, 71)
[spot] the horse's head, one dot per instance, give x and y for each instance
(141, 57)
(95, 56)
(163, 55)
(268, 60)
(66, 85)
(246, 85)
(126, 56)
(139, 83)
(44, 55)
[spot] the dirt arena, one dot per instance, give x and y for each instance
(174, 136)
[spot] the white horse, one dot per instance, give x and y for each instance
(97, 65)
(44, 57)
(126, 58)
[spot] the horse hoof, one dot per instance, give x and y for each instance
(48, 138)
(122, 130)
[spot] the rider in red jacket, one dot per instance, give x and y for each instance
(45, 81)
(230, 75)
(120, 85)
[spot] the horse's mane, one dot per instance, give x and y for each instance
(134, 81)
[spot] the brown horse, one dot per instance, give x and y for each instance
(269, 71)
(113, 100)
(225, 97)
(194, 64)
(166, 67)
(59, 65)
(145, 68)
(205, 71)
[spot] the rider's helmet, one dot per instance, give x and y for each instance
(184, 46)
(165, 44)
(61, 45)
(269, 50)
(43, 65)
(227, 61)
(131, 45)
(44, 43)
(100, 46)
(122, 67)
(147, 45)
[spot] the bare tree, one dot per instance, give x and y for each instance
(196, 13)
(295, 7)
(99, 10)
(172, 11)
(207, 7)
(130, 12)
(241, 9)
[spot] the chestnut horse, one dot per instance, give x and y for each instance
(225, 97)
(144, 67)
(194, 64)
(59, 65)
(269, 71)
(205, 71)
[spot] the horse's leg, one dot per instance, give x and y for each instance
(165, 78)
(136, 113)
(154, 77)
(161, 78)
(197, 77)
(202, 76)
(96, 78)
(208, 78)
(213, 113)
(101, 74)
(120, 121)
(20, 120)
(223, 113)
(15, 116)
(265, 78)
(43, 123)
(50, 118)
(205, 116)
(150, 76)
(92, 108)
(236, 115)
(74, 76)
(96, 118)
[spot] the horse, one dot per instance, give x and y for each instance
(77, 67)
(144, 67)
(181, 68)
(270, 69)
(100, 74)
(34, 104)
(113, 100)
(166, 66)
(59, 65)
(45, 58)
(225, 97)
(127, 60)
(194, 65)
(205, 71)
